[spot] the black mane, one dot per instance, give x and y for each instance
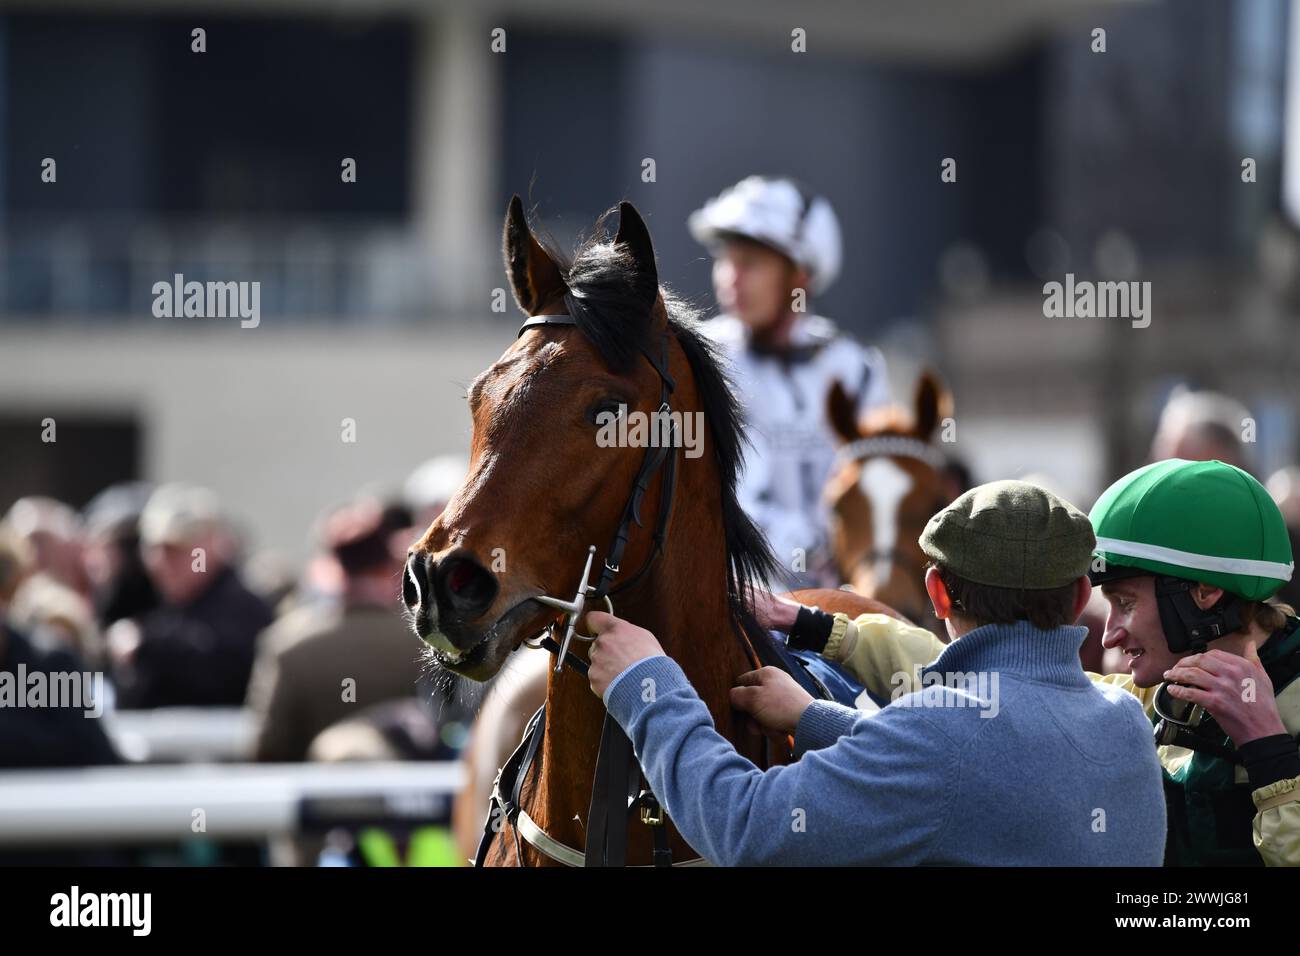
(606, 298)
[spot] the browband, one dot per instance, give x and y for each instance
(894, 446)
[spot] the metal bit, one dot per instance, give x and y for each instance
(573, 608)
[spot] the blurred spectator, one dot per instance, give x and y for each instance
(58, 733)
(1284, 486)
(1201, 426)
(53, 531)
(16, 562)
(52, 607)
(120, 586)
(55, 617)
(319, 665)
(392, 730)
(272, 577)
(197, 648)
(431, 486)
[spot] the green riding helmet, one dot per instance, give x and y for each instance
(1196, 520)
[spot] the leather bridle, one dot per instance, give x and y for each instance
(891, 446)
(617, 789)
(656, 457)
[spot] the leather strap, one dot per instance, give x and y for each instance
(892, 446)
(617, 774)
(508, 785)
(533, 320)
(542, 841)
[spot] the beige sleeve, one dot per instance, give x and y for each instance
(1146, 695)
(1277, 822)
(883, 653)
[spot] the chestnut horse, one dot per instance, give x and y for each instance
(541, 490)
(887, 483)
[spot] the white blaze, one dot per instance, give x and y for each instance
(885, 485)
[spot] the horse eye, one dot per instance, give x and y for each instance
(599, 413)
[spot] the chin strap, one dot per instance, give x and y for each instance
(1186, 626)
(1190, 628)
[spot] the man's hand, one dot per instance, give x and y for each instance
(1234, 689)
(772, 698)
(619, 644)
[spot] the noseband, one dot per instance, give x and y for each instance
(617, 788)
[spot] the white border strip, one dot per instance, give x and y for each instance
(1202, 562)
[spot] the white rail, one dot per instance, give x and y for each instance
(182, 734)
(103, 805)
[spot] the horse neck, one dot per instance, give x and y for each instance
(682, 600)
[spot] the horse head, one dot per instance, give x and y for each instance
(538, 485)
(886, 485)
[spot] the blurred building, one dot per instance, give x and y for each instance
(377, 296)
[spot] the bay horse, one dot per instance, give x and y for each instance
(887, 483)
(602, 337)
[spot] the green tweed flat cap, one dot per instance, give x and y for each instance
(1010, 534)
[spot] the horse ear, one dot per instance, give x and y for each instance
(933, 403)
(534, 275)
(842, 413)
(632, 232)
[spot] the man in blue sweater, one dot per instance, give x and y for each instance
(1007, 755)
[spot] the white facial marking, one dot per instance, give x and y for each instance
(885, 485)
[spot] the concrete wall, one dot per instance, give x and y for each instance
(255, 413)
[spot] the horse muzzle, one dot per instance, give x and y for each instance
(444, 594)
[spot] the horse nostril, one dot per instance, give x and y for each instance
(413, 575)
(466, 585)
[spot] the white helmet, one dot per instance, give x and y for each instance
(777, 213)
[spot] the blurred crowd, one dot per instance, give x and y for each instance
(152, 587)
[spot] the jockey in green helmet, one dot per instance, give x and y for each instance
(1187, 554)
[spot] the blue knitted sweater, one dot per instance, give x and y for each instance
(1007, 756)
